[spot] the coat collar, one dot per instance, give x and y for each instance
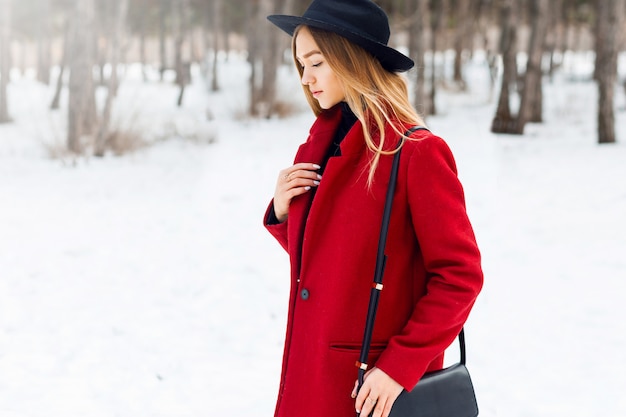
(314, 151)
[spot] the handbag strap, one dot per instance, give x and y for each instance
(381, 260)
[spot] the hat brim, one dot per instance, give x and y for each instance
(391, 59)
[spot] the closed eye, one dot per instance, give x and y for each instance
(312, 65)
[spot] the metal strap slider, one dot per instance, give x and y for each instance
(361, 365)
(377, 286)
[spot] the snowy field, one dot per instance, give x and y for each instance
(146, 286)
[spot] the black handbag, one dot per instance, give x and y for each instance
(445, 393)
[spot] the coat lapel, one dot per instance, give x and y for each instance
(313, 151)
(340, 172)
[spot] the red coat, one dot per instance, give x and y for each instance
(432, 277)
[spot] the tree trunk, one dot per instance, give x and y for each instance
(54, 105)
(251, 32)
(264, 46)
(536, 108)
(555, 34)
(481, 15)
(438, 9)
(226, 32)
(533, 75)
(217, 16)
(164, 8)
(183, 69)
(81, 58)
(417, 48)
(462, 36)
(116, 34)
(610, 15)
(142, 47)
(271, 59)
(43, 43)
(5, 59)
(503, 121)
(142, 56)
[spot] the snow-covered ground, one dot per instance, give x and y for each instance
(146, 286)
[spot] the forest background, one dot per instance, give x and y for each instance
(89, 42)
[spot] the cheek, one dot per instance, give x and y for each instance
(332, 81)
(339, 90)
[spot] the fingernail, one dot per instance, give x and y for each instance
(319, 177)
(316, 182)
(316, 166)
(307, 188)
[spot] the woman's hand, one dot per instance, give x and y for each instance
(378, 393)
(292, 182)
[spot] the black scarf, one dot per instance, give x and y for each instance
(348, 119)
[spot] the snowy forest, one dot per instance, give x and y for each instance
(524, 40)
(140, 142)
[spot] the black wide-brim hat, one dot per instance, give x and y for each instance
(359, 21)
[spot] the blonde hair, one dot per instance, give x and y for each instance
(373, 93)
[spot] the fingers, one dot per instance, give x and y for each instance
(292, 182)
(356, 383)
(376, 405)
(377, 395)
(365, 401)
(370, 404)
(301, 171)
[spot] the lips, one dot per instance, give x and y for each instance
(316, 93)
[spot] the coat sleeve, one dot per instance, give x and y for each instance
(451, 260)
(276, 229)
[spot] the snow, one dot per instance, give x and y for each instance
(145, 285)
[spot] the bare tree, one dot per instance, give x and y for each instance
(417, 48)
(105, 12)
(59, 85)
(137, 12)
(181, 22)
(610, 17)
(5, 58)
(81, 57)
(462, 36)
(117, 33)
(265, 47)
(271, 58)
(555, 37)
(438, 9)
(503, 121)
(164, 8)
(217, 16)
(43, 43)
(532, 92)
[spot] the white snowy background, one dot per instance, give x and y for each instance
(145, 285)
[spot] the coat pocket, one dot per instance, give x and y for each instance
(352, 347)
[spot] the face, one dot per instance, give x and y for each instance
(322, 81)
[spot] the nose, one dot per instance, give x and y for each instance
(307, 78)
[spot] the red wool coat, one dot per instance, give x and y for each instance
(432, 277)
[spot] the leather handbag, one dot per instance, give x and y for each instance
(445, 393)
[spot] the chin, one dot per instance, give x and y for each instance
(326, 105)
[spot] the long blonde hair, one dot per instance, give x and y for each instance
(373, 93)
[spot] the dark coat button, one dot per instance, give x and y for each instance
(304, 294)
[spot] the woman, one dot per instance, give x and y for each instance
(327, 211)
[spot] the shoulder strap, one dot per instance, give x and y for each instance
(381, 260)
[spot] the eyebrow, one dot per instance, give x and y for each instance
(310, 53)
